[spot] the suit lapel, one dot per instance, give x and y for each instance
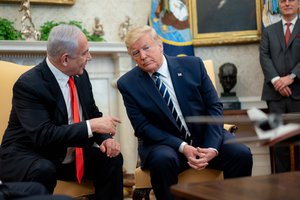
(295, 32)
(280, 34)
(178, 81)
(148, 85)
(55, 89)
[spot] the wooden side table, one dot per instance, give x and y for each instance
(270, 187)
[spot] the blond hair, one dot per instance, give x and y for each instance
(136, 33)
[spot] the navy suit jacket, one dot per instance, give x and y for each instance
(38, 125)
(278, 60)
(150, 116)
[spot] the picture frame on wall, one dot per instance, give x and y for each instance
(217, 22)
(62, 2)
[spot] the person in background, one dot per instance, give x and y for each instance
(158, 94)
(280, 62)
(54, 115)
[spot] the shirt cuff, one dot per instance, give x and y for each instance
(275, 79)
(90, 133)
(292, 76)
(214, 150)
(181, 147)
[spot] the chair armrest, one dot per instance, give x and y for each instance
(231, 128)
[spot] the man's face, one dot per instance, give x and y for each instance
(147, 53)
(288, 8)
(77, 63)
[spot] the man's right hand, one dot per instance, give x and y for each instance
(196, 158)
(104, 125)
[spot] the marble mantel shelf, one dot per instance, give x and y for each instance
(15, 46)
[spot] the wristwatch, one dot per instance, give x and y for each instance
(292, 76)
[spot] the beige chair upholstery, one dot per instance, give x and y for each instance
(142, 177)
(209, 66)
(9, 73)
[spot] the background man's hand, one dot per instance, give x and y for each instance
(283, 82)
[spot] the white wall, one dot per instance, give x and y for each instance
(111, 13)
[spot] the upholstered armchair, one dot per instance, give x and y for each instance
(9, 73)
(142, 177)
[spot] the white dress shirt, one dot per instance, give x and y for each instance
(62, 80)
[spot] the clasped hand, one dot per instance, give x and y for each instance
(282, 85)
(198, 158)
(111, 147)
(104, 125)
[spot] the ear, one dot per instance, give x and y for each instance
(161, 46)
(64, 59)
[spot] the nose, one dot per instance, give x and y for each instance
(143, 54)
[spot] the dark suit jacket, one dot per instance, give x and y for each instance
(151, 118)
(38, 122)
(278, 60)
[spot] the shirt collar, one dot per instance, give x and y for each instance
(61, 78)
(293, 21)
(163, 70)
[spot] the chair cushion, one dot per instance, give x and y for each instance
(74, 189)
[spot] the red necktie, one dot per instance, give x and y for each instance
(287, 33)
(76, 119)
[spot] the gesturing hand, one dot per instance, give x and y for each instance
(104, 125)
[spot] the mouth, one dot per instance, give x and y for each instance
(145, 64)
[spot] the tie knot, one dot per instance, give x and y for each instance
(71, 80)
(288, 24)
(157, 74)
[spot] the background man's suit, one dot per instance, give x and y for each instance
(278, 60)
(154, 124)
(36, 129)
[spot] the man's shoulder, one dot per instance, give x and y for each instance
(33, 72)
(130, 74)
(182, 60)
(273, 26)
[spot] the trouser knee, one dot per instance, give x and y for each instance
(44, 172)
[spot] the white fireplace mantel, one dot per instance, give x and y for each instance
(18, 46)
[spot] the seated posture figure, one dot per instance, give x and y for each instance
(158, 94)
(54, 111)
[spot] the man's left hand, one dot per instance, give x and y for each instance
(111, 147)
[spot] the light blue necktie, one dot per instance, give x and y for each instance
(166, 96)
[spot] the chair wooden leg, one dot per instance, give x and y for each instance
(141, 193)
